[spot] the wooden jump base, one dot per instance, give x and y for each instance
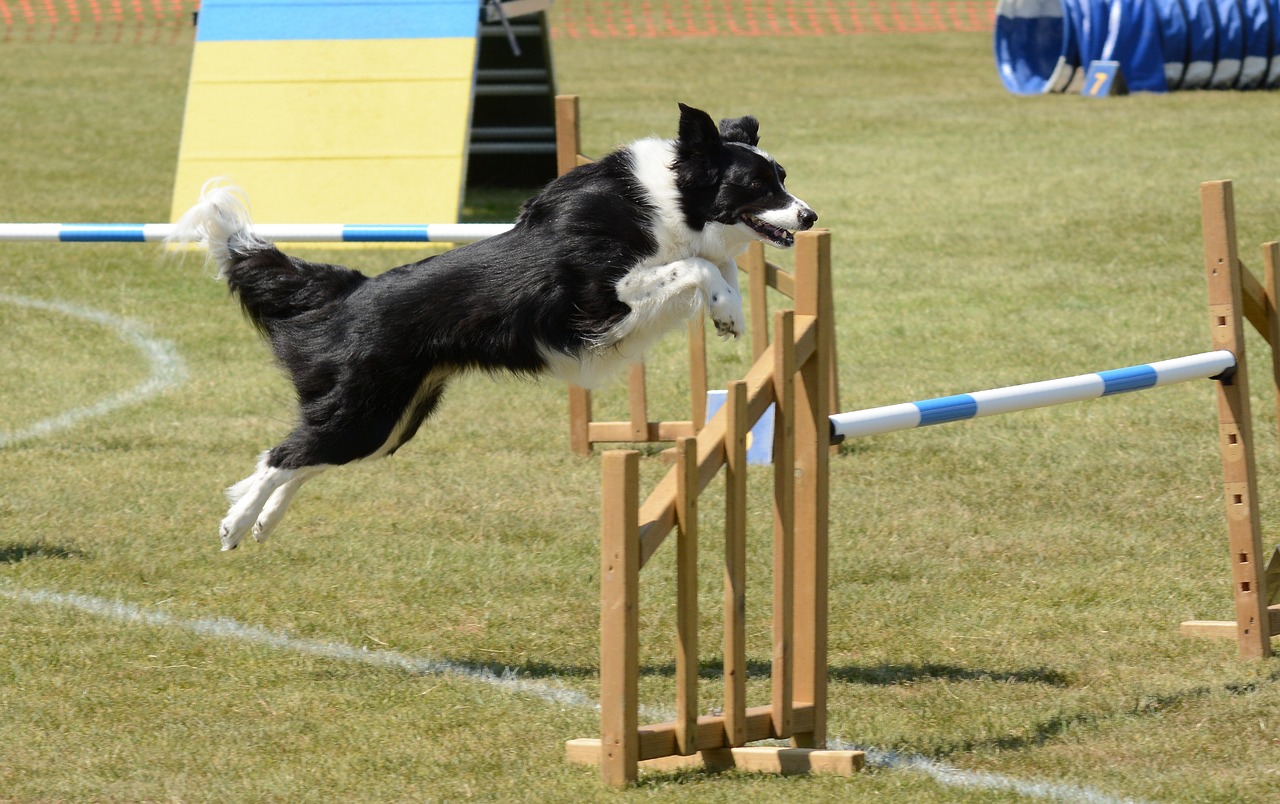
(761, 275)
(793, 374)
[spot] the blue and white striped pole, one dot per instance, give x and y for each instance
(944, 409)
(283, 232)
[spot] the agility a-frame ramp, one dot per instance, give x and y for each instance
(335, 111)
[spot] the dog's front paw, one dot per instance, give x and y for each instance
(726, 314)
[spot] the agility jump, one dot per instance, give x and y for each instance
(790, 374)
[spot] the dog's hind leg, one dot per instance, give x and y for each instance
(276, 505)
(250, 496)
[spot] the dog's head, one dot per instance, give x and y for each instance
(724, 177)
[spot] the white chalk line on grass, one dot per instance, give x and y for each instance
(166, 368)
(510, 680)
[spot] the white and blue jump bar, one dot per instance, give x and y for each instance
(941, 410)
(292, 232)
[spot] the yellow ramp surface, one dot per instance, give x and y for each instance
(331, 130)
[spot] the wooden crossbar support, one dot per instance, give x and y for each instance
(791, 372)
(762, 275)
(1235, 296)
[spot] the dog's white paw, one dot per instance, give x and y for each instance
(266, 523)
(726, 314)
(232, 531)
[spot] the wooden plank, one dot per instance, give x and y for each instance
(654, 431)
(784, 445)
(1226, 629)
(580, 421)
(813, 272)
(659, 739)
(753, 263)
(698, 372)
(735, 563)
(637, 405)
(567, 133)
(787, 761)
(780, 280)
(657, 514)
(1224, 275)
(1259, 309)
(619, 618)
(687, 597)
(1271, 263)
(759, 759)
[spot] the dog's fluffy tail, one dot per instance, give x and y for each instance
(271, 286)
(220, 222)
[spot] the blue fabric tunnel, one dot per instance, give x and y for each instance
(1161, 45)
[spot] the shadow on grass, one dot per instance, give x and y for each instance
(16, 553)
(893, 674)
(1038, 734)
(875, 675)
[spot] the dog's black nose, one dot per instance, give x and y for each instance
(807, 219)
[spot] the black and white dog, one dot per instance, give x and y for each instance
(598, 266)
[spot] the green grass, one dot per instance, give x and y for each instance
(1005, 593)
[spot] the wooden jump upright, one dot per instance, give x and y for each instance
(1236, 296)
(761, 275)
(792, 373)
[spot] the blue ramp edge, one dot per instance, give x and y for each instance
(319, 20)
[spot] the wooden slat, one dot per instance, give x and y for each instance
(1271, 264)
(760, 759)
(1224, 274)
(580, 421)
(1258, 308)
(1226, 629)
(780, 280)
(567, 133)
(813, 272)
(687, 597)
(659, 739)
(698, 372)
(784, 445)
(655, 431)
(637, 404)
(619, 618)
(657, 514)
(735, 563)
(753, 262)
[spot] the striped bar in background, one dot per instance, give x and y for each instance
(908, 415)
(284, 232)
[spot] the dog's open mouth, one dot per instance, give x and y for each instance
(774, 234)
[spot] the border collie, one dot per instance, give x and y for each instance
(599, 265)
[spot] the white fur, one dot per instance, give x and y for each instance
(252, 495)
(219, 219)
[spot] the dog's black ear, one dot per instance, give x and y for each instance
(745, 130)
(698, 132)
(697, 149)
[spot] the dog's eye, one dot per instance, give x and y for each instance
(757, 185)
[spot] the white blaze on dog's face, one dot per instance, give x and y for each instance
(747, 185)
(753, 188)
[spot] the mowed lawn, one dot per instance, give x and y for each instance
(1005, 593)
